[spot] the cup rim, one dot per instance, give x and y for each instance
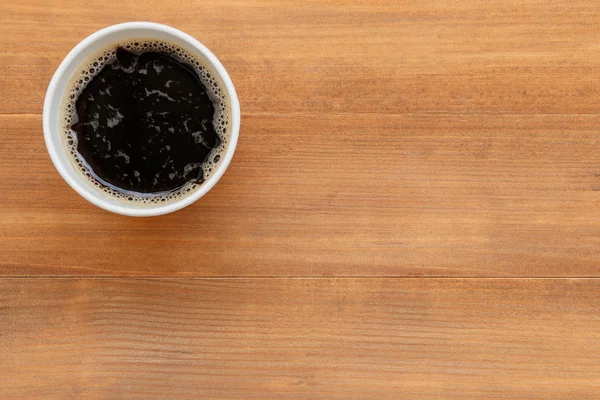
(66, 169)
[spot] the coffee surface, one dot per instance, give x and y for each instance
(145, 123)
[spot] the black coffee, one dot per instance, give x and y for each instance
(145, 123)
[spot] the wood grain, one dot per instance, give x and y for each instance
(380, 140)
(409, 139)
(370, 56)
(361, 195)
(300, 338)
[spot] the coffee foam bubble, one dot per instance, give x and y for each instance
(214, 88)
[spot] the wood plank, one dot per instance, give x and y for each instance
(404, 195)
(512, 56)
(300, 338)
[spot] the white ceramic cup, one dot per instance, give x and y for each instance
(59, 88)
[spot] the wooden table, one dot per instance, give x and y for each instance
(413, 211)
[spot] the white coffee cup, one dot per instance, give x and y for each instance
(59, 88)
